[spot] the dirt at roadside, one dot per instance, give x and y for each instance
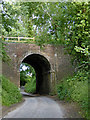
(71, 109)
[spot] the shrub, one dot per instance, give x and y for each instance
(76, 89)
(30, 86)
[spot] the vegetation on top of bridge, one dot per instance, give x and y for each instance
(64, 23)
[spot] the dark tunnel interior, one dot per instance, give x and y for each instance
(42, 69)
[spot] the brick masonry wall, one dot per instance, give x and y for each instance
(59, 62)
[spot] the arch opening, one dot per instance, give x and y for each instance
(42, 69)
(27, 78)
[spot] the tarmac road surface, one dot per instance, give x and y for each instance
(37, 107)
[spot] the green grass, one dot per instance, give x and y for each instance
(75, 89)
(10, 93)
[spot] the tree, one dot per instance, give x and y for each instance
(77, 32)
(63, 23)
(13, 20)
(27, 74)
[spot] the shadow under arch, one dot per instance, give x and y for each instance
(42, 68)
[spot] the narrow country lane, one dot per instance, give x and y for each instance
(37, 107)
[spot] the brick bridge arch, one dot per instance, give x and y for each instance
(43, 70)
(50, 62)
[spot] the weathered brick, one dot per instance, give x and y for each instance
(60, 65)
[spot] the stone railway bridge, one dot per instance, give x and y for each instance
(50, 64)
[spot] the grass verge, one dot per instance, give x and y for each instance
(10, 93)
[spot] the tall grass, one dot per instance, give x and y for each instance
(10, 93)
